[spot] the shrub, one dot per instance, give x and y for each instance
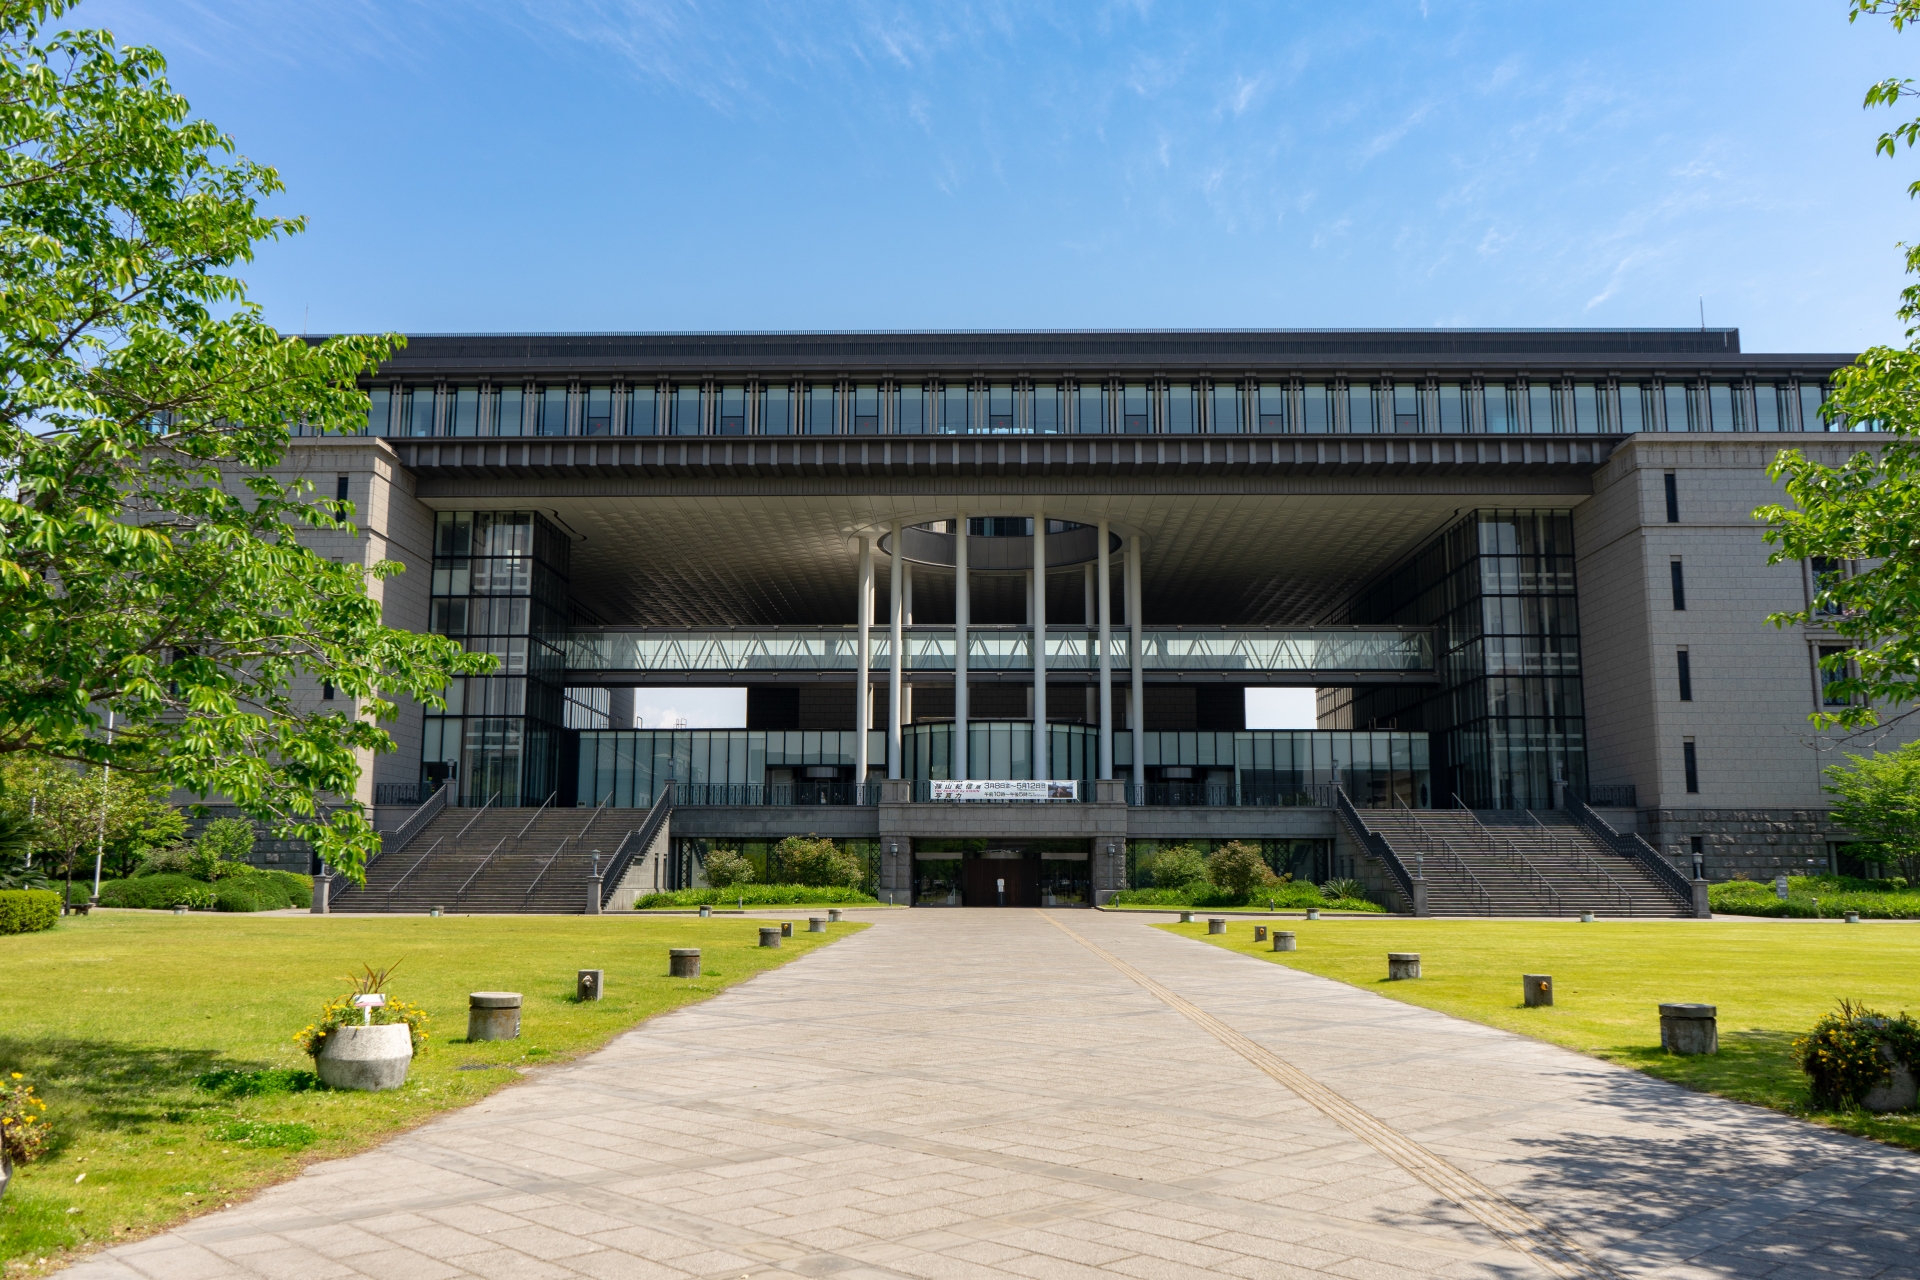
(1177, 867)
(175, 860)
(1344, 887)
(757, 895)
(28, 910)
(157, 892)
(256, 891)
(1239, 868)
(23, 1120)
(728, 867)
(1843, 1054)
(813, 860)
(224, 840)
(1836, 894)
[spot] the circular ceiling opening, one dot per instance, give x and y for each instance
(1000, 544)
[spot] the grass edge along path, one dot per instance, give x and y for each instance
(1771, 979)
(113, 1015)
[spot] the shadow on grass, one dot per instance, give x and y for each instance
(107, 1085)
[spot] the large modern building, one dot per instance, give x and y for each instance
(1519, 566)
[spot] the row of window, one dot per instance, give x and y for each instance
(1535, 406)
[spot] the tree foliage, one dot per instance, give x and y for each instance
(728, 867)
(66, 806)
(1178, 867)
(1239, 868)
(817, 861)
(1863, 517)
(1877, 797)
(135, 376)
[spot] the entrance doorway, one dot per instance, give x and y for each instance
(1000, 882)
(995, 873)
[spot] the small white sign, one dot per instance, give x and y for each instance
(1007, 789)
(374, 1001)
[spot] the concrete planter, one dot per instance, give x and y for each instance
(368, 1058)
(1898, 1094)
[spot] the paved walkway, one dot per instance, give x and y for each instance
(1070, 1094)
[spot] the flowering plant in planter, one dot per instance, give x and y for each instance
(342, 1011)
(1854, 1050)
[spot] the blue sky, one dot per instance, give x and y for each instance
(570, 165)
(579, 165)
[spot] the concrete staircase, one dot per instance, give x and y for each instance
(494, 862)
(1506, 863)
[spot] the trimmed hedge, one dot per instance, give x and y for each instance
(28, 910)
(1283, 896)
(259, 891)
(1837, 897)
(756, 895)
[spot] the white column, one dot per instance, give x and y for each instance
(1086, 611)
(1041, 767)
(962, 607)
(1106, 660)
(862, 701)
(1137, 708)
(897, 607)
(907, 595)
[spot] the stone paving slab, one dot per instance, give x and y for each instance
(980, 1094)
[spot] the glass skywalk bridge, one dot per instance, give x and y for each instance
(1254, 655)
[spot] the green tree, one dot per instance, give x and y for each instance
(1865, 512)
(728, 867)
(1178, 867)
(1878, 799)
(66, 805)
(816, 861)
(136, 578)
(1238, 868)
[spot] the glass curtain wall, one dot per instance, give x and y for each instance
(1508, 718)
(1090, 408)
(642, 411)
(500, 587)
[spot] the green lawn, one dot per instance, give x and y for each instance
(1770, 978)
(113, 1015)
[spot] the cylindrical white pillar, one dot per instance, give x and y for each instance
(1105, 642)
(897, 607)
(1136, 657)
(907, 609)
(1086, 609)
(862, 699)
(962, 608)
(1041, 768)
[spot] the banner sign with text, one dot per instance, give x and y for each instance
(1006, 789)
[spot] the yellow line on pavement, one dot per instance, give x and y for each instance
(1519, 1229)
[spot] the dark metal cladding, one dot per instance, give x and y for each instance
(1354, 351)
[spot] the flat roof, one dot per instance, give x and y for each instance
(1096, 352)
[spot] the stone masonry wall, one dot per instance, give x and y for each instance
(1757, 844)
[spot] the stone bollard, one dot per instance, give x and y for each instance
(323, 892)
(1402, 965)
(769, 935)
(705, 910)
(1283, 940)
(493, 1015)
(1259, 933)
(833, 915)
(1586, 917)
(1853, 917)
(1537, 990)
(1216, 925)
(434, 912)
(1186, 917)
(588, 983)
(1689, 1028)
(683, 962)
(1313, 913)
(179, 909)
(816, 924)
(786, 928)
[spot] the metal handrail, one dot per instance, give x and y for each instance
(468, 883)
(527, 897)
(413, 824)
(536, 817)
(640, 839)
(416, 866)
(1586, 862)
(1372, 841)
(462, 833)
(1635, 849)
(1514, 856)
(1441, 848)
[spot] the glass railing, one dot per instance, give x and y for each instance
(1071, 648)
